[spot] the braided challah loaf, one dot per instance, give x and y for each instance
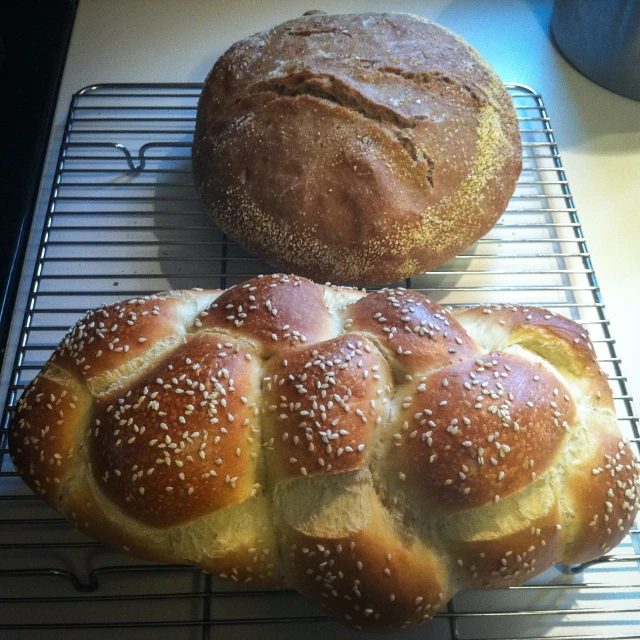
(377, 452)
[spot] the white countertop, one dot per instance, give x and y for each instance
(597, 131)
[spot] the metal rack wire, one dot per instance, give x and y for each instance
(124, 219)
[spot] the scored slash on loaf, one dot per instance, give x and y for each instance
(355, 148)
(377, 452)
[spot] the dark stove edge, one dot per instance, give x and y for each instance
(25, 195)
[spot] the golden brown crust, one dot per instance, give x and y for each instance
(183, 441)
(315, 445)
(604, 496)
(511, 559)
(372, 579)
(562, 342)
(480, 430)
(412, 330)
(355, 148)
(47, 431)
(248, 554)
(109, 338)
(369, 599)
(271, 312)
(509, 324)
(87, 514)
(255, 566)
(324, 405)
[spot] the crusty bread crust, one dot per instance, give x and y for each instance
(355, 149)
(377, 452)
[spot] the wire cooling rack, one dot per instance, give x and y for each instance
(123, 220)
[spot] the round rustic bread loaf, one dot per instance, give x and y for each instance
(356, 149)
(376, 452)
